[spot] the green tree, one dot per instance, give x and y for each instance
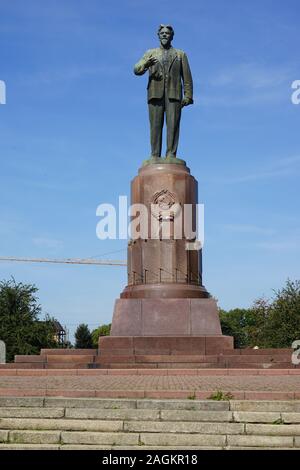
(83, 337)
(283, 324)
(103, 330)
(268, 323)
(233, 323)
(247, 326)
(20, 327)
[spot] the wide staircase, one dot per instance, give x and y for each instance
(121, 359)
(115, 424)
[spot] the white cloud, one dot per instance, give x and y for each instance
(253, 76)
(280, 245)
(71, 73)
(248, 84)
(278, 168)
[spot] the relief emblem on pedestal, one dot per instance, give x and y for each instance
(164, 205)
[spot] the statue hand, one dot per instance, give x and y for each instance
(151, 61)
(186, 102)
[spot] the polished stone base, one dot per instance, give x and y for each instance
(165, 317)
(162, 346)
(165, 291)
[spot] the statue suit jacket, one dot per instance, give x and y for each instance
(178, 75)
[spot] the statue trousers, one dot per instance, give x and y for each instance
(158, 109)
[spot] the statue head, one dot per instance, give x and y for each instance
(165, 34)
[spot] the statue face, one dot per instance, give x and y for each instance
(165, 36)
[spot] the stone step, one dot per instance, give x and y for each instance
(162, 365)
(156, 353)
(70, 358)
(243, 358)
(67, 365)
(146, 394)
(42, 424)
(127, 404)
(149, 365)
(58, 405)
(74, 424)
(217, 360)
(9, 446)
(85, 370)
(196, 365)
(259, 365)
(23, 365)
(167, 358)
(257, 352)
(30, 358)
(72, 352)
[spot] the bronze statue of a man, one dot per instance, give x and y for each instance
(170, 88)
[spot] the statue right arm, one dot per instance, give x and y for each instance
(142, 66)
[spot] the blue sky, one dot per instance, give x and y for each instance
(75, 130)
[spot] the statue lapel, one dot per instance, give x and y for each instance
(173, 56)
(159, 58)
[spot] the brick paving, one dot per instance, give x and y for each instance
(284, 383)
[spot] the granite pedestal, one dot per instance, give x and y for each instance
(165, 308)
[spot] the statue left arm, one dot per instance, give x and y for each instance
(187, 81)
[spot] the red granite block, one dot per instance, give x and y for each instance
(273, 371)
(68, 365)
(230, 352)
(174, 394)
(120, 393)
(281, 365)
(70, 393)
(170, 345)
(203, 395)
(66, 352)
(23, 365)
(24, 392)
(31, 372)
(61, 372)
(147, 352)
(204, 317)
(160, 316)
(29, 358)
(176, 358)
(257, 365)
(152, 343)
(268, 352)
(294, 371)
(112, 358)
(115, 352)
(92, 372)
(238, 372)
(189, 345)
(115, 342)
(257, 359)
(80, 359)
(212, 372)
(269, 395)
(7, 372)
(121, 372)
(156, 372)
(181, 371)
(118, 365)
(216, 344)
(186, 365)
(127, 318)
